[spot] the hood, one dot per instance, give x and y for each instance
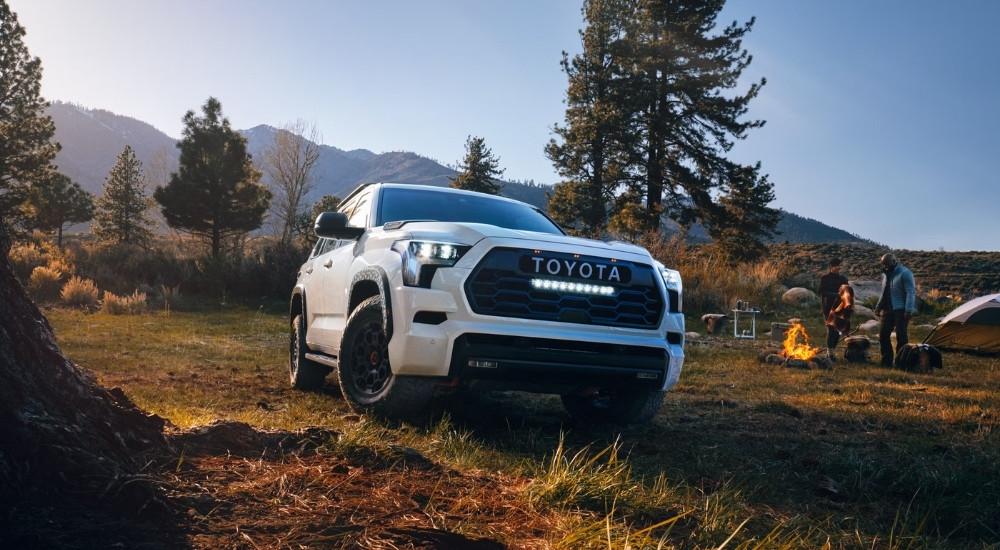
(472, 233)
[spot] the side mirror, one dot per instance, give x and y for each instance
(333, 225)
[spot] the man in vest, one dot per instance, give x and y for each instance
(895, 307)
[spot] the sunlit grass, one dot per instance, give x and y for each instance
(737, 457)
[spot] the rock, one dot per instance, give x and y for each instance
(861, 312)
(863, 290)
(799, 296)
(870, 326)
(692, 335)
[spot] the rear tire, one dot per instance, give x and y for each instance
(366, 378)
(304, 374)
(632, 406)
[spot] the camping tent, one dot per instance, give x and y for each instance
(972, 326)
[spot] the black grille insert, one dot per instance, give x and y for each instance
(501, 286)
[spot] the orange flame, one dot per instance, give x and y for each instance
(793, 349)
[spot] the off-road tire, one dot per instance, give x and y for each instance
(366, 378)
(628, 406)
(304, 374)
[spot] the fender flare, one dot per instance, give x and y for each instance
(298, 293)
(377, 275)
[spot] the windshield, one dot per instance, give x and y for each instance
(423, 203)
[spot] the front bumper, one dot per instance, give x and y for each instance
(435, 334)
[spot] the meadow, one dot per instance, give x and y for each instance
(743, 454)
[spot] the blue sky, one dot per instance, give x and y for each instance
(882, 115)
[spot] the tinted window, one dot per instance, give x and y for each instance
(400, 204)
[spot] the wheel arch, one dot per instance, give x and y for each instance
(372, 281)
(297, 304)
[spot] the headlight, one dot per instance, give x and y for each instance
(422, 258)
(672, 280)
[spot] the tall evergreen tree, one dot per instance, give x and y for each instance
(686, 120)
(480, 169)
(55, 202)
(745, 221)
(589, 155)
(123, 209)
(215, 194)
(651, 114)
(26, 148)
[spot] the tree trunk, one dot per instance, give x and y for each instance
(61, 434)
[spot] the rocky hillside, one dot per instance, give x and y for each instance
(965, 273)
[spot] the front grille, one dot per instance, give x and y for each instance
(501, 286)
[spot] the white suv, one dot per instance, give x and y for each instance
(413, 288)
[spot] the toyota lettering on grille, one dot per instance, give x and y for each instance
(575, 268)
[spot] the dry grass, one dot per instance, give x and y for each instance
(123, 305)
(742, 455)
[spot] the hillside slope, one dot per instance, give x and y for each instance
(92, 139)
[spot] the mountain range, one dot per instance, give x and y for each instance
(92, 139)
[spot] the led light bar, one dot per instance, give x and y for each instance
(571, 287)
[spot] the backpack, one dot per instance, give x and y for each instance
(918, 358)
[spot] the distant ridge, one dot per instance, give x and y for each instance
(92, 139)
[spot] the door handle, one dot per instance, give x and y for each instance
(328, 263)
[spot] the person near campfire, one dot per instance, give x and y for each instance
(895, 307)
(829, 294)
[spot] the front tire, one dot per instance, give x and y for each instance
(366, 378)
(304, 374)
(632, 406)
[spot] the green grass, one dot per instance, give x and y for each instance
(742, 455)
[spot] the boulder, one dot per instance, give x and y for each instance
(861, 312)
(870, 326)
(799, 296)
(864, 290)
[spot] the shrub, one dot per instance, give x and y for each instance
(24, 258)
(123, 305)
(61, 264)
(713, 284)
(123, 268)
(168, 296)
(45, 283)
(79, 292)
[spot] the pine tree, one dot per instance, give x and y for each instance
(651, 116)
(745, 221)
(687, 122)
(55, 202)
(26, 148)
(480, 169)
(215, 194)
(122, 216)
(591, 152)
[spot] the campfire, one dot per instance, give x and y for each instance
(793, 348)
(795, 351)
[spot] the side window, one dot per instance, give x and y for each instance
(361, 212)
(323, 246)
